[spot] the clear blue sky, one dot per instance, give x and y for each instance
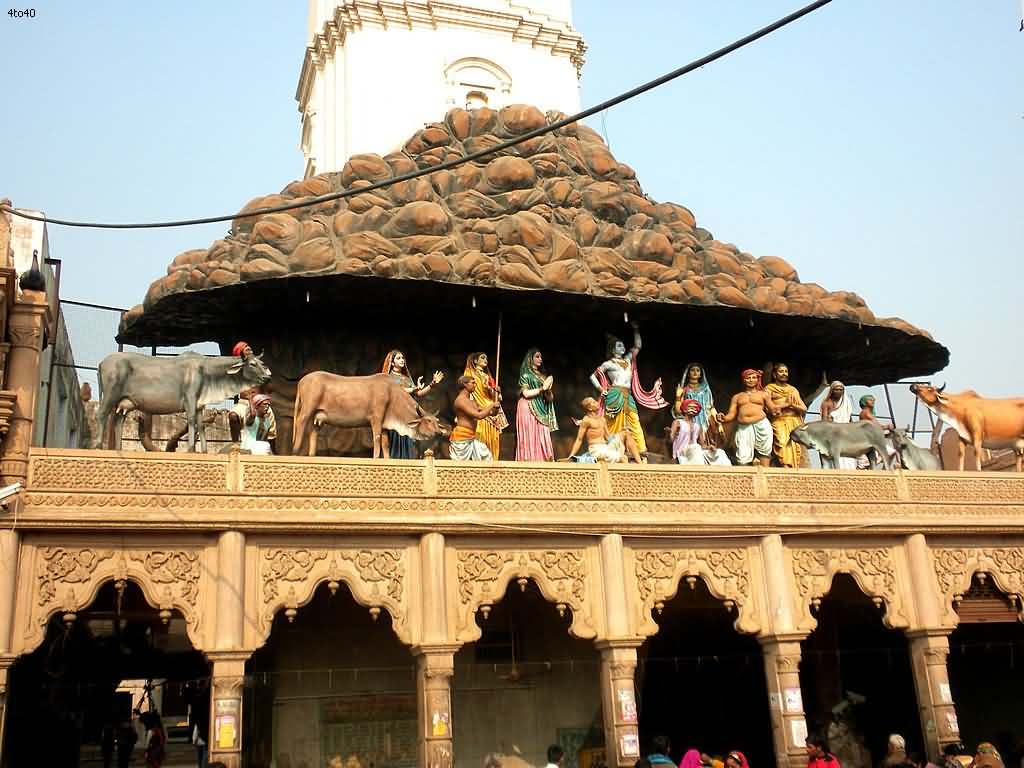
(877, 146)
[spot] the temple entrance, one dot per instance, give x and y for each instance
(986, 670)
(526, 684)
(702, 683)
(75, 696)
(856, 678)
(333, 686)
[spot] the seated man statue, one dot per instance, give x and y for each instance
(463, 443)
(601, 444)
(750, 409)
(691, 442)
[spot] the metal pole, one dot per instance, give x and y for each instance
(888, 401)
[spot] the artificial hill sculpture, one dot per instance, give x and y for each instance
(556, 214)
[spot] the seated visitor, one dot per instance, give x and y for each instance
(260, 432)
(601, 444)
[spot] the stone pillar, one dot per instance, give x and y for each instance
(435, 666)
(786, 704)
(5, 665)
(226, 686)
(28, 319)
(618, 701)
(9, 552)
(781, 650)
(230, 591)
(929, 649)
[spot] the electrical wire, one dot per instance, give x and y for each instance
(455, 162)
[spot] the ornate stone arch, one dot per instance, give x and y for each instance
(955, 567)
(498, 80)
(377, 578)
(562, 575)
(66, 579)
(872, 568)
(660, 573)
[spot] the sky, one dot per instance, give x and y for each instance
(876, 146)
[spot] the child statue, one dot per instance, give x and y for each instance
(602, 445)
(691, 441)
(619, 383)
(395, 365)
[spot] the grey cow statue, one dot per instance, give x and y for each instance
(912, 455)
(850, 441)
(157, 385)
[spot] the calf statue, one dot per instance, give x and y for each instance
(157, 385)
(912, 455)
(980, 422)
(851, 441)
(377, 401)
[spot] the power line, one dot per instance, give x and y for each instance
(447, 165)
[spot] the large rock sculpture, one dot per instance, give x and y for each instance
(558, 214)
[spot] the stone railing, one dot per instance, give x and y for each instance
(107, 488)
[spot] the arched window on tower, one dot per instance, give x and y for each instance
(473, 82)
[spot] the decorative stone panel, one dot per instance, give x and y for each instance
(88, 471)
(510, 482)
(956, 566)
(954, 489)
(377, 577)
(873, 568)
(66, 578)
(322, 478)
(660, 572)
(563, 576)
(670, 483)
(825, 486)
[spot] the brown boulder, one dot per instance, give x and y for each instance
(643, 288)
(504, 173)
(279, 230)
(420, 218)
(473, 205)
(188, 259)
(367, 246)
(566, 276)
(607, 261)
(672, 291)
(517, 119)
(520, 276)
(242, 224)
(459, 123)
(366, 167)
(605, 199)
(219, 277)
(599, 160)
(529, 230)
(261, 269)
(612, 284)
(644, 245)
(585, 229)
(411, 191)
(312, 187)
(400, 163)
(468, 261)
(734, 298)
(563, 247)
(268, 252)
(313, 256)
(778, 267)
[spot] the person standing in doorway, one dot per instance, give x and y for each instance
(555, 756)
(156, 745)
(660, 748)
(199, 723)
(818, 753)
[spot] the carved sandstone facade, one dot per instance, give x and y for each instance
(230, 541)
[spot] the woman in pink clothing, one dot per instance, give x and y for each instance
(535, 413)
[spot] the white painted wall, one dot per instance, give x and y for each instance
(374, 86)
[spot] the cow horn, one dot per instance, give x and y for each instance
(940, 389)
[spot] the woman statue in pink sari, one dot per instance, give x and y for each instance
(535, 413)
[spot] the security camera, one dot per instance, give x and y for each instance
(7, 491)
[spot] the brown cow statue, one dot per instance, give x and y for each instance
(979, 421)
(377, 401)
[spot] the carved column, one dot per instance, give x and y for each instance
(29, 316)
(618, 701)
(786, 703)
(9, 553)
(230, 590)
(435, 665)
(929, 649)
(226, 687)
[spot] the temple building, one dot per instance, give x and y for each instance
(341, 610)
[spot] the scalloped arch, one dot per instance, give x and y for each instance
(956, 567)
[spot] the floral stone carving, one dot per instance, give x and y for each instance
(659, 573)
(873, 569)
(560, 574)
(956, 566)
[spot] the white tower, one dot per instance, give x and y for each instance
(374, 72)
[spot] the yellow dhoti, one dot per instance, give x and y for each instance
(489, 435)
(627, 420)
(787, 453)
